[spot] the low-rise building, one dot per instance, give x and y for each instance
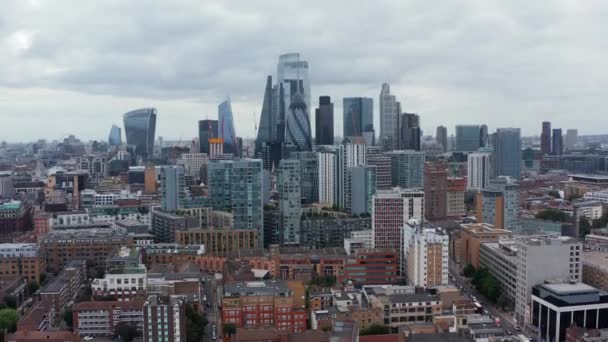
(219, 241)
(21, 259)
(466, 241)
(62, 291)
(595, 269)
(100, 318)
(401, 309)
(125, 277)
(371, 266)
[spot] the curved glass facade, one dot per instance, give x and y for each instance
(115, 139)
(226, 127)
(140, 127)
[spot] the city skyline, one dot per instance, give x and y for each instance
(493, 77)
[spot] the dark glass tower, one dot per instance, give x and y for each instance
(410, 132)
(140, 127)
(558, 142)
(441, 135)
(545, 138)
(507, 152)
(358, 118)
(324, 122)
(297, 132)
(115, 137)
(206, 129)
(226, 127)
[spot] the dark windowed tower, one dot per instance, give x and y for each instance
(441, 136)
(324, 122)
(140, 127)
(358, 118)
(207, 129)
(558, 142)
(410, 132)
(545, 138)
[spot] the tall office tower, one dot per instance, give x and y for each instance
(390, 115)
(309, 176)
(140, 127)
(441, 136)
(267, 144)
(226, 127)
(484, 139)
(467, 138)
(407, 169)
(236, 186)
(358, 118)
(324, 122)
(207, 129)
(571, 138)
(507, 152)
(545, 138)
(331, 175)
(354, 155)
(541, 259)
(498, 204)
(557, 143)
(478, 170)
(382, 162)
(173, 187)
(427, 258)
(410, 134)
(292, 75)
(115, 136)
(435, 190)
(391, 211)
(297, 134)
(6, 185)
(362, 189)
(290, 207)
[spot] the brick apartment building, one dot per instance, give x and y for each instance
(100, 318)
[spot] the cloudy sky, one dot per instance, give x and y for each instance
(76, 66)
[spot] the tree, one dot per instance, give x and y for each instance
(552, 215)
(374, 329)
(195, 324)
(229, 329)
(68, 318)
(8, 320)
(32, 286)
(584, 227)
(555, 194)
(10, 301)
(502, 301)
(126, 332)
(468, 271)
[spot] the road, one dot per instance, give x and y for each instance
(212, 310)
(506, 319)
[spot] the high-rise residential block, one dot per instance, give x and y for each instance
(557, 142)
(435, 191)
(165, 319)
(207, 129)
(478, 170)
(455, 197)
(193, 162)
(7, 190)
(498, 204)
(571, 138)
(390, 115)
(140, 127)
(507, 152)
(290, 207)
(382, 162)
(173, 187)
(467, 138)
(541, 259)
(362, 187)
(358, 119)
(545, 138)
(309, 176)
(427, 258)
(331, 175)
(324, 122)
(484, 137)
(407, 169)
(441, 135)
(410, 132)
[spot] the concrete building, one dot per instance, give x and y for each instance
(101, 318)
(404, 309)
(309, 176)
(331, 175)
(125, 277)
(166, 223)
(435, 191)
(591, 210)
(498, 204)
(382, 162)
(173, 187)
(455, 197)
(6, 185)
(193, 162)
(407, 169)
(595, 269)
(541, 259)
(571, 138)
(427, 258)
(391, 210)
(441, 135)
(219, 241)
(22, 259)
(500, 259)
(290, 207)
(372, 267)
(557, 306)
(467, 138)
(15, 219)
(479, 170)
(507, 152)
(466, 242)
(165, 319)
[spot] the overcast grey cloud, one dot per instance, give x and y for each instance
(76, 66)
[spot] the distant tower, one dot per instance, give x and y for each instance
(410, 132)
(441, 136)
(390, 114)
(545, 138)
(324, 122)
(115, 137)
(226, 127)
(358, 118)
(140, 127)
(557, 147)
(507, 152)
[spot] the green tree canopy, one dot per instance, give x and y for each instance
(229, 329)
(552, 215)
(10, 301)
(68, 318)
(375, 329)
(126, 332)
(8, 319)
(468, 271)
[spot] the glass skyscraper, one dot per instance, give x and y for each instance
(292, 74)
(206, 129)
(358, 118)
(297, 134)
(507, 152)
(407, 168)
(324, 122)
(115, 137)
(140, 127)
(226, 127)
(173, 187)
(467, 138)
(289, 200)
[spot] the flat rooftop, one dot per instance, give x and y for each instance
(256, 288)
(569, 288)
